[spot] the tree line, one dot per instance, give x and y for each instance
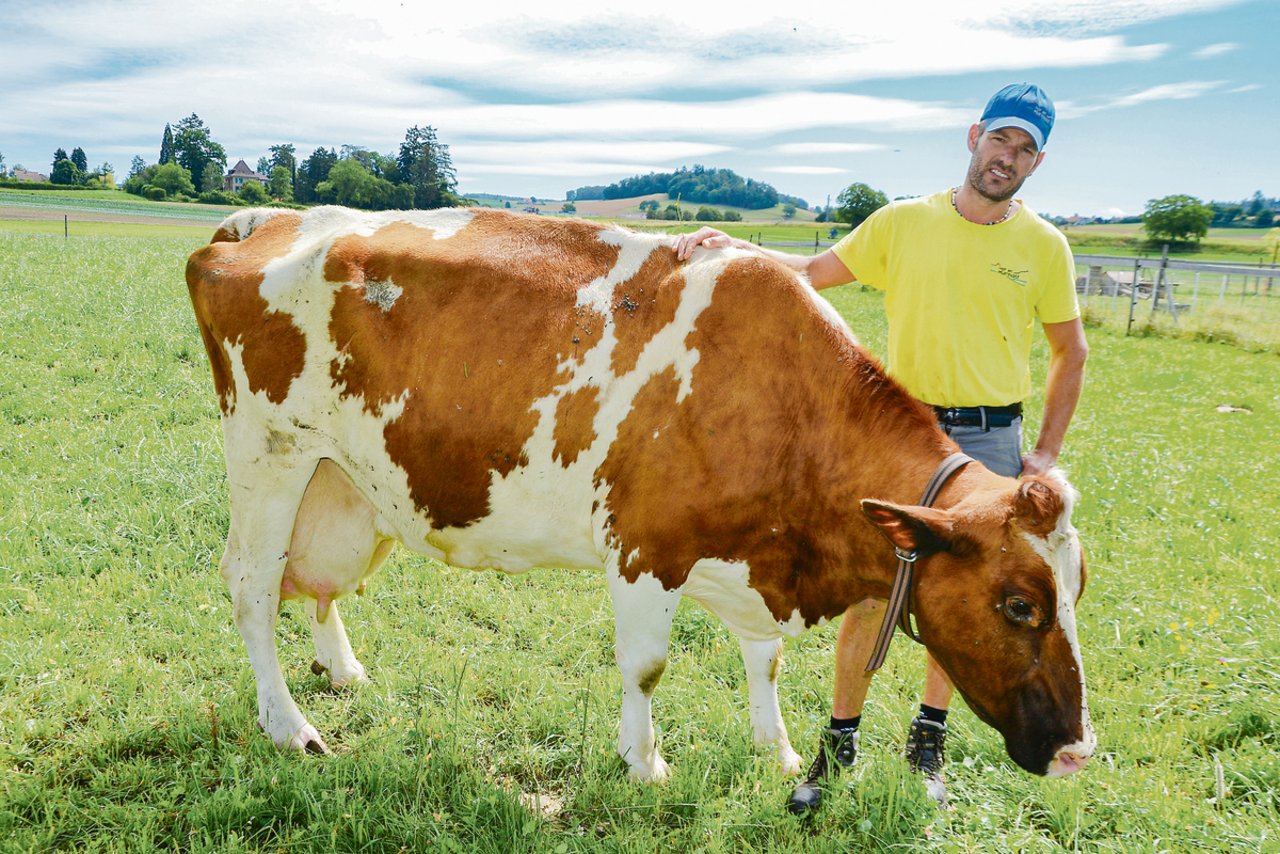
(1184, 217)
(699, 184)
(191, 166)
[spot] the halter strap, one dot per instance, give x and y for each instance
(898, 611)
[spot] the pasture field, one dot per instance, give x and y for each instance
(127, 704)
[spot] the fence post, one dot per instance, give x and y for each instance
(1133, 293)
(66, 227)
(1163, 279)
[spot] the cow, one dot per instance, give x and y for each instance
(503, 391)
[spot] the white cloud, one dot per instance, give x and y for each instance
(805, 170)
(827, 147)
(1212, 50)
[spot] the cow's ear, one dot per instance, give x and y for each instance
(922, 530)
(1038, 505)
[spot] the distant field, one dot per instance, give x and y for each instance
(1134, 229)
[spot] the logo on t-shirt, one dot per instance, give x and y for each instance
(1009, 273)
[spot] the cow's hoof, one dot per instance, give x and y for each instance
(308, 740)
(341, 677)
(656, 771)
(789, 761)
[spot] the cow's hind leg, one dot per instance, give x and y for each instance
(262, 516)
(642, 612)
(763, 660)
(334, 655)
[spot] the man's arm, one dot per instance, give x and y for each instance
(824, 269)
(1067, 354)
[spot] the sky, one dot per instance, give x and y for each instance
(1154, 97)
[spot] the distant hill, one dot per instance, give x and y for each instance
(697, 185)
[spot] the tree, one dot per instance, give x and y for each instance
(166, 145)
(1265, 219)
(173, 179)
(195, 150)
(424, 164)
(568, 207)
(1, 164)
(1257, 204)
(281, 184)
(285, 155)
(211, 178)
(80, 159)
(65, 172)
(254, 193)
(311, 173)
(857, 202)
(706, 214)
(1179, 217)
(263, 166)
(60, 154)
(136, 165)
(788, 211)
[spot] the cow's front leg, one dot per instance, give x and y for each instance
(333, 651)
(642, 612)
(763, 660)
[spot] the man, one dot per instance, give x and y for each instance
(965, 273)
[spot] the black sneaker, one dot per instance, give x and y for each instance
(926, 753)
(836, 749)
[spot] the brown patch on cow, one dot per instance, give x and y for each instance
(642, 306)
(575, 417)
(485, 319)
(224, 280)
(650, 678)
(787, 427)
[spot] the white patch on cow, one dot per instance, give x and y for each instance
(723, 588)
(1060, 549)
(382, 294)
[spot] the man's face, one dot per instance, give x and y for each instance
(1002, 160)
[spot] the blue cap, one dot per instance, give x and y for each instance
(1024, 106)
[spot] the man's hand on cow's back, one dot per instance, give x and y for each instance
(706, 236)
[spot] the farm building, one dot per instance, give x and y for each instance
(236, 178)
(24, 175)
(1112, 282)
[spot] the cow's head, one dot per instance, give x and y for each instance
(996, 587)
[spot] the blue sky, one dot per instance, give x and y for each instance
(1154, 97)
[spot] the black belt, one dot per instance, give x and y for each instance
(985, 417)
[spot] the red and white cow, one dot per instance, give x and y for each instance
(511, 392)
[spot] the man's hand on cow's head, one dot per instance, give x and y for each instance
(1037, 462)
(706, 236)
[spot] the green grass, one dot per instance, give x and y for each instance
(85, 228)
(111, 202)
(127, 705)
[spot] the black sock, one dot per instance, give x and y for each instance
(929, 713)
(846, 724)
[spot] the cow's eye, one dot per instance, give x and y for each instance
(1021, 611)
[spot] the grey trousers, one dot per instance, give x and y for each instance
(999, 448)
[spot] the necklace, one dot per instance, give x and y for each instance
(1007, 213)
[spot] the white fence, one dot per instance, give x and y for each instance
(1202, 295)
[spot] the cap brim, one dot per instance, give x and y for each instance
(1020, 124)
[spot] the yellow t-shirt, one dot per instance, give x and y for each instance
(962, 298)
